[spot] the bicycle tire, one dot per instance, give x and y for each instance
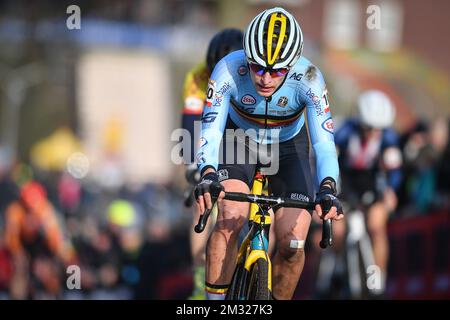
(236, 286)
(258, 288)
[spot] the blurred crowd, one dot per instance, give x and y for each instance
(426, 151)
(128, 244)
(133, 243)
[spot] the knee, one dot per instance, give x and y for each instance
(291, 250)
(231, 219)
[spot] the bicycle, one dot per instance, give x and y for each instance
(350, 267)
(252, 277)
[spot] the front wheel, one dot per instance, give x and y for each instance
(236, 288)
(258, 288)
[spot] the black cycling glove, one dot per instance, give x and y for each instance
(326, 196)
(209, 184)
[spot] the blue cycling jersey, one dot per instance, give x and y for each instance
(365, 156)
(278, 118)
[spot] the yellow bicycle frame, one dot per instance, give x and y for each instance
(251, 256)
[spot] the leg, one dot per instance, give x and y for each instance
(377, 217)
(222, 244)
(293, 180)
(198, 241)
(291, 230)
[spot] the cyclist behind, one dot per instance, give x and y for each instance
(264, 90)
(370, 161)
(194, 97)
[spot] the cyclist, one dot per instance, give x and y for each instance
(370, 161)
(264, 90)
(194, 97)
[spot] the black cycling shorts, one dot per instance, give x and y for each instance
(292, 179)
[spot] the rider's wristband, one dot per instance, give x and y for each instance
(205, 168)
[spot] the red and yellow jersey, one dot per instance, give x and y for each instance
(194, 93)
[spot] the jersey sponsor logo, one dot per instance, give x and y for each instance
(325, 101)
(316, 101)
(202, 142)
(248, 99)
(193, 104)
(282, 102)
(296, 76)
(328, 125)
(242, 71)
(299, 196)
(226, 86)
(249, 109)
(210, 92)
(219, 95)
(217, 101)
(209, 117)
(200, 158)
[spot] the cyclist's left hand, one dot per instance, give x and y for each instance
(325, 199)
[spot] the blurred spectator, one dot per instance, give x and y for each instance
(33, 236)
(441, 141)
(32, 224)
(423, 147)
(69, 193)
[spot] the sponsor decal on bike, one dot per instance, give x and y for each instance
(282, 102)
(248, 99)
(328, 125)
(222, 174)
(243, 70)
(210, 92)
(296, 76)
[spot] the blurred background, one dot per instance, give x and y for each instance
(87, 111)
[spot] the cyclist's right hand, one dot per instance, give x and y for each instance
(328, 206)
(208, 190)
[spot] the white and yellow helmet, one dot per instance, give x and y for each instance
(273, 39)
